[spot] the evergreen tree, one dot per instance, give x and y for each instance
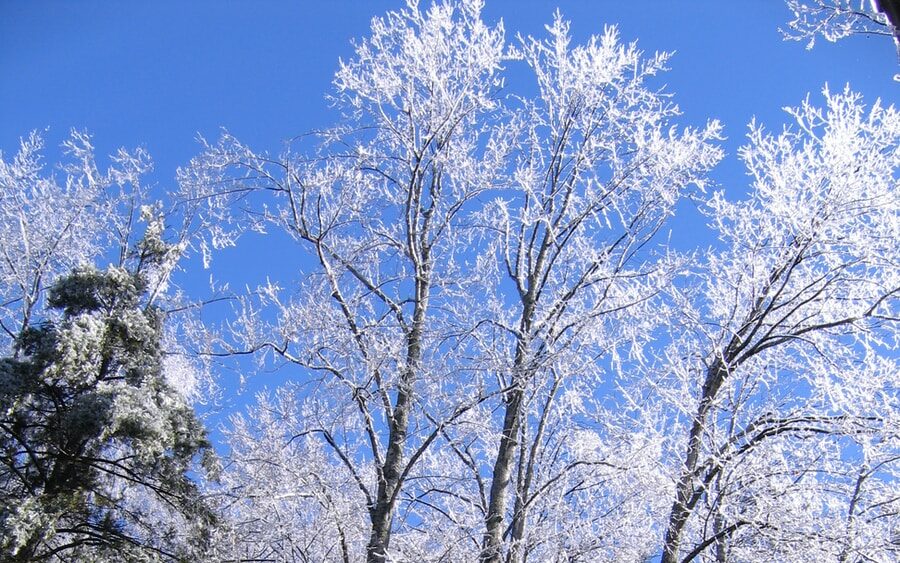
(97, 448)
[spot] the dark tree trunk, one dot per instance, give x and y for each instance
(390, 480)
(686, 491)
(492, 546)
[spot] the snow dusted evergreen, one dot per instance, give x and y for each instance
(97, 447)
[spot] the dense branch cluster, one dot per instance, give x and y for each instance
(501, 362)
(838, 19)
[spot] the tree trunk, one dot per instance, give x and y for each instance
(382, 512)
(492, 546)
(721, 544)
(527, 463)
(390, 480)
(685, 492)
(491, 551)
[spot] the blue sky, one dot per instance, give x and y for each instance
(158, 73)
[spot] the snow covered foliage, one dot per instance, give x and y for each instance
(492, 354)
(481, 256)
(837, 19)
(496, 357)
(52, 222)
(288, 499)
(97, 448)
(784, 374)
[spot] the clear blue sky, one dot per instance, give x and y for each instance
(157, 73)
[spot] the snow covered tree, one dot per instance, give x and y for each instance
(52, 223)
(784, 369)
(837, 19)
(596, 171)
(380, 213)
(97, 446)
(473, 253)
(493, 356)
